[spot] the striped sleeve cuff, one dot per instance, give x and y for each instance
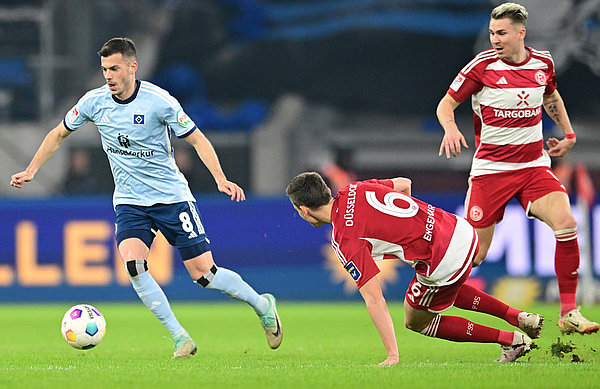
(187, 133)
(67, 127)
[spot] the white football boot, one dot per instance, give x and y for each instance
(574, 322)
(520, 346)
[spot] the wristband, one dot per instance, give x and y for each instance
(570, 136)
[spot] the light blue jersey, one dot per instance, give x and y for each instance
(136, 138)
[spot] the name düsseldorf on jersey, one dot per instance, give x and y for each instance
(372, 222)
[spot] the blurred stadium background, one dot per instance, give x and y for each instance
(346, 87)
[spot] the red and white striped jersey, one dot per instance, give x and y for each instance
(507, 102)
(372, 221)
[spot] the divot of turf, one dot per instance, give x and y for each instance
(559, 348)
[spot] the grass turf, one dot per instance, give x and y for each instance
(331, 345)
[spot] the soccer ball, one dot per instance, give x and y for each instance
(83, 326)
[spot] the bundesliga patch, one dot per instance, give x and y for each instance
(73, 114)
(182, 118)
(354, 273)
(458, 81)
(138, 118)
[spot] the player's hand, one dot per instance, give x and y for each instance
(558, 148)
(17, 180)
(451, 144)
(232, 189)
(389, 361)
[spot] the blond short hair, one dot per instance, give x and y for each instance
(515, 12)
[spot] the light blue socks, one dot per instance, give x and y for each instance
(231, 284)
(154, 298)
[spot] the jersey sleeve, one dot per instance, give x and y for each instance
(551, 85)
(387, 182)
(362, 267)
(463, 87)
(79, 115)
(179, 122)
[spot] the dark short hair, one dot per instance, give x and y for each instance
(308, 189)
(125, 46)
(515, 12)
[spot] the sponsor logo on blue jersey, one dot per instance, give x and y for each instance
(124, 140)
(351, 268)
(131, 153)
(138, 118)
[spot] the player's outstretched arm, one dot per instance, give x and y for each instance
(207, 154)
(402, 184)
(51, 143)
(453, 138)
(380, 314)
(555, 108)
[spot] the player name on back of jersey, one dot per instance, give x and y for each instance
(429, 223)
(349, 215)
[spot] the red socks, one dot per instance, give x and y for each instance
(566, 266)
(459, 329)
(473, 299)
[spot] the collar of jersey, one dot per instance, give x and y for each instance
(529, 55)
(133, 96)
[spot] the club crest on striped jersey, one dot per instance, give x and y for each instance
(541, 77)
(353, 270)
(475, 213)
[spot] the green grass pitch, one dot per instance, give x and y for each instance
(326, 345)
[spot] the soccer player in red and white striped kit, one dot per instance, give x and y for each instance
(378, 219)
(508, 85)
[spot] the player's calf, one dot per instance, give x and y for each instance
(232, 284)
(155, 300)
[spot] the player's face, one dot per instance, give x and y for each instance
(508, 39)
(119, 73)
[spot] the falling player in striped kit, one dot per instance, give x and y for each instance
(509, 84)
(378, 219)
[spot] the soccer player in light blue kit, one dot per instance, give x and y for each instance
(136, 120)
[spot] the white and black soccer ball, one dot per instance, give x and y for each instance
(83, 326)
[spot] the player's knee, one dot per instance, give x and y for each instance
(410, 326)
(416, 326)
(566, 223)
(207, 277)
(136, 267)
